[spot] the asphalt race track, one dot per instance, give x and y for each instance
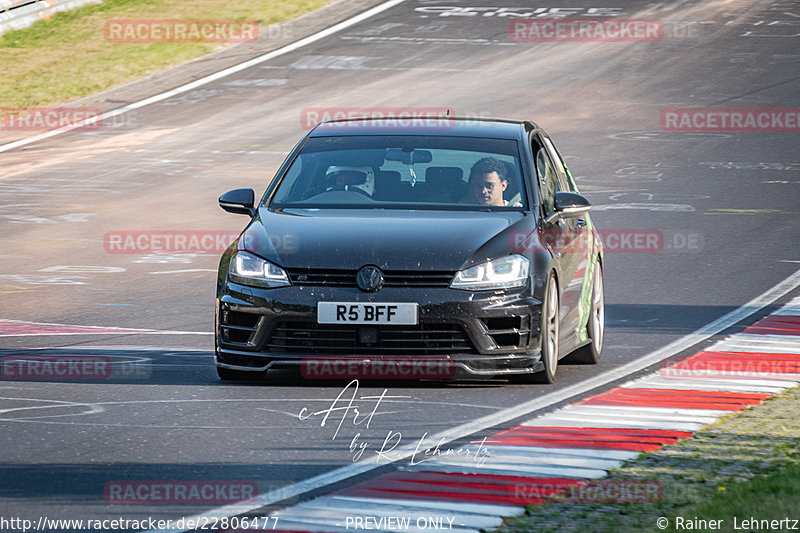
(724, 205)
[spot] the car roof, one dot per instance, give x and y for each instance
(445, 126)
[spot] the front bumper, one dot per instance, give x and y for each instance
(477, 334)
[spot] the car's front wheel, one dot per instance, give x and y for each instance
(550, 332)
(549, 336)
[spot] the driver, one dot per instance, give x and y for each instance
(488, 180)
(351, 178)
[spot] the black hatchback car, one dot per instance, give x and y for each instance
(450, 249)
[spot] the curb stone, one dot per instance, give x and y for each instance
(739, 447)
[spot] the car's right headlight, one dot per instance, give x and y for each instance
(247, 269)
(500, 273)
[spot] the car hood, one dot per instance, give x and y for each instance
(389, 239)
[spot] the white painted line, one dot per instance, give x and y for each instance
(185, 271)
(505, 458)
(657, 411)
(711, 384)
(601, 453)
(134, 332)
(102, 330)
(13, 321)
(591, 412)
(520, 470)
(791, 308)
(754, 377)
(488, 509)
(211, 77)
(597, 422)
(513, 412)
(746, 342)
(532, 464)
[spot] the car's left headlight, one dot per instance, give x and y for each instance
(248, 269)
(501, 273)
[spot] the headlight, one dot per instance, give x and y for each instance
(501, 273)
(248, 269)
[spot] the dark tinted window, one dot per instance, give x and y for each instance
(546, 179)
(404, 172)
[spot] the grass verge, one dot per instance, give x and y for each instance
(772, 497)
(68, 57)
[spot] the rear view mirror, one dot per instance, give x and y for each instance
(408, 157)
(346, 177)
(239, 201)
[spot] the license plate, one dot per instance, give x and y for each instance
(367, 313)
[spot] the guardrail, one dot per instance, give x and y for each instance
(19, 14)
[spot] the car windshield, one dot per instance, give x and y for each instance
(404, 172)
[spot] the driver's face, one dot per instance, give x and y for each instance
(488, 188)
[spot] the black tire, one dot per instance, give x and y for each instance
(550, 333)
(595, 327)
(549, 338)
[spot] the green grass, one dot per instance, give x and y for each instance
(68, 57)
(771, 497)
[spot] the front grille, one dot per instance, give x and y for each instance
(392, 278)
(237, 327)
(345, 339)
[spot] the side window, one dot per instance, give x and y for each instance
(547, 179)
(560, 165)
(288, 190)
(301, 180)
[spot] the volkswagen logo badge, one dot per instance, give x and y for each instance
(369, 279)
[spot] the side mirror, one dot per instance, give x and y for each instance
(569, 205)
(239, 201)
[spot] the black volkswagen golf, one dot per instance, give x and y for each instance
(447, 249)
